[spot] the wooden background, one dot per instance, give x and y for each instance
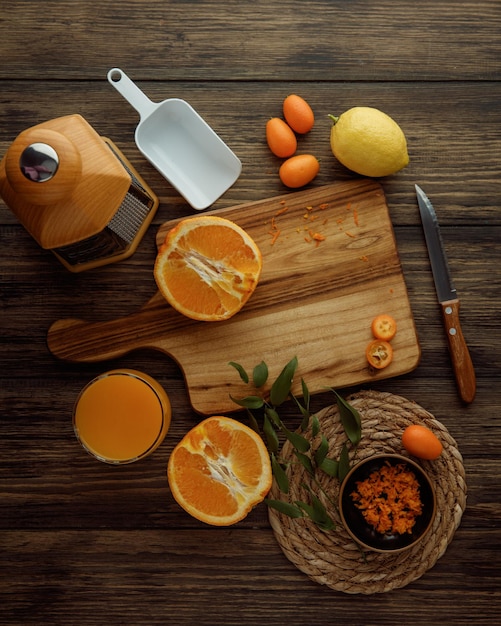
(83, 543)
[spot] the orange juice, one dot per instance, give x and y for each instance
(121, 416)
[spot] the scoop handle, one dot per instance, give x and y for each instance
(131, 92)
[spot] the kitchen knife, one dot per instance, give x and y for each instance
(447, 297)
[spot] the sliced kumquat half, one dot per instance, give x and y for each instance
(219, 471)
(384, 327)
(207, 268)
(379, 354)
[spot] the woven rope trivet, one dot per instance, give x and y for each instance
(332, 558)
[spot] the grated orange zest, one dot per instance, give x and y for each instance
(389, 499)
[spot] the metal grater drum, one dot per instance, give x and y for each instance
(124, 229)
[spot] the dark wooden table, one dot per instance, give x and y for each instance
(84, 543)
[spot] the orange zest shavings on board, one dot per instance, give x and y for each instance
(354, 211)
(310, 214)
(274, 230)
(389, 499)
(316, 237)
(275, 235)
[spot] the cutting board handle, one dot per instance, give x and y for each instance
(81, 341)
(66, 340)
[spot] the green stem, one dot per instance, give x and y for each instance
(333, 504)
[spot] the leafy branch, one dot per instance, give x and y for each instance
(311, 453)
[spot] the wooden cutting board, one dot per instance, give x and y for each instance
(315, 300)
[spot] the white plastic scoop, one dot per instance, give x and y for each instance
(180, 144)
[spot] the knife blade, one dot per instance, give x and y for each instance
(448, 299)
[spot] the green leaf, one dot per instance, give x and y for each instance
(307, 508)
(298, 441)
(249, 402)
(281, 387)
(270, 435)
(253, 422)
(284, 507)
(306, 394)
(315, 426)
(304, 412)
(273, 416)
(330, 467)
(326, 524)
(305, 462)
(243, 374)
(344, 463)
(280, 475)
(305, 422)
(320, 517)
(260, 374)
(350, 419)
(317, 511)
(321, 451)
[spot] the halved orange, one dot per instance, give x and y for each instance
(219, 471)
(207, 268)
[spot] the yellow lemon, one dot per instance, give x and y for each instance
(369, 142)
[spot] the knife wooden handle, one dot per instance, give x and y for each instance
(461, 360)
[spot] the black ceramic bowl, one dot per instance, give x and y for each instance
(364, 533)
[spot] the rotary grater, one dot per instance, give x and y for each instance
(76, 193)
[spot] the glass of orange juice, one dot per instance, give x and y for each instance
(121, 416)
